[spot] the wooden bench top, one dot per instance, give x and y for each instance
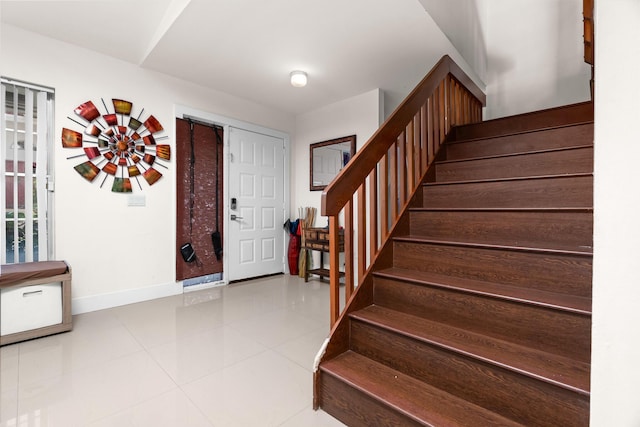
(12, 274)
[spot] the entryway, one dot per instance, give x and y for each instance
(253, 193)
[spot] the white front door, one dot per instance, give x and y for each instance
(256, 182)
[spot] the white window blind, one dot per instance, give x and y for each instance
(26, 121)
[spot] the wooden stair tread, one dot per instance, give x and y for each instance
(517, 178)
(577, 159)
(546, 191)
(553, 369)
(523, 153)
(557, 301)
(505, 245)
(584, 209)
(521, 132)
(531, 227)
(417, 400)
(564, 115)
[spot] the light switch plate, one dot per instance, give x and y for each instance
(136, 200)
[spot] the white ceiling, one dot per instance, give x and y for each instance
(248, 47)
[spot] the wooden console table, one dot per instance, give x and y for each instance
(317, 239)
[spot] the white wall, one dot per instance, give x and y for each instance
(460, 21)
(535, 55)
(528, 53)
(439, 44)
(112, 248)
(615, 374)
(360, 116)
(119, 254)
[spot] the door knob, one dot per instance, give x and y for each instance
(235, 217)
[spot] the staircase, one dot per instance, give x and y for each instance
(481, 313)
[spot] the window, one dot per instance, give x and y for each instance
(26, 122)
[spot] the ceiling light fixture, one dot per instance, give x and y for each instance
(298, 79)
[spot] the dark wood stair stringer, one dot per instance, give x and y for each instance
(482, 302)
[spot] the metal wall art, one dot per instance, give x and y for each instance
(116, 143)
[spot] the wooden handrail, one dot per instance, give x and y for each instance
(388, 169)
(338, 192)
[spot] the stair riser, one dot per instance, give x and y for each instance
(558, 332)
(520, 143)
(573, 114)
(507, 393)
(563, 273)
(561, 192)
(579, 160)
(557, 228)
(354, 408)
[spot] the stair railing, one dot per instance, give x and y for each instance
(388, 169)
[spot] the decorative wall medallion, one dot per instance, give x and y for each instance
(121, 146)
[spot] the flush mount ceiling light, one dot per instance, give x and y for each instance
(298, 78)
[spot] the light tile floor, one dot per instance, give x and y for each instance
(240, 355)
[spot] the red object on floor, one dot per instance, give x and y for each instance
(294, 253)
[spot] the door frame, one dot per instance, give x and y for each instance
(184, 112)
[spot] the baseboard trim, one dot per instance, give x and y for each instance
(115, 299)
